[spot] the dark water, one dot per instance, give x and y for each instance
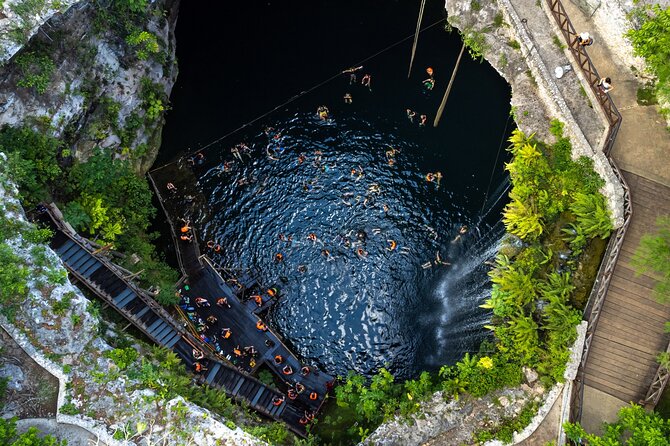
(347, 310)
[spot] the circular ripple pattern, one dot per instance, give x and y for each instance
(349, 302)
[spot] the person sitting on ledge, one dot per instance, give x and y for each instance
(299, 387)
(258, 299)
(198, 367)
(279, 257)
(272, 292)
(309, 416)
(304, 371)
(277, 401)
(261, 326)
(237, 350)
(313, 396)
(287, 370)
(303, 420)
(279, 359)
(186, 226)
(222, 302)
(292, 394)
(197, 354)
(201, 302)
(186, 238)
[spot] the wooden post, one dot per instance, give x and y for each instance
(416, 37)
(446, 94)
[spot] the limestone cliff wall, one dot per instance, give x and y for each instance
(97, 86)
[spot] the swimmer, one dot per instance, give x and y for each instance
(301, 158)
(461, 232)
(302, 269)
(439, 261)
(392, 245)
(361, 252)
(322, 112)
(236, 152)
(422, 120)
(269, 151)
(428, 85)
(312, 237)
(430, 71)
(279, 257)
(346, 242)
(427, 265)
(432, 232)
(430, 177)
(376, 231)
(391, 161)
(212, 319)
(410, 115)
(373, 188)
(367, 79)
(385, 207)
(438, 177)
(227, 165)
(226, 333)
(361, 235)
(348, 99)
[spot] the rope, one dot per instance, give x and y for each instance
(416, 37)
(299, 95)
(440, 110)
(493, 169)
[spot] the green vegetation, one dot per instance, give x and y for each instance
(634, 427)
(153, 99)
(498, 20)
(505, 430)
(32, 437)
(103, 198)
(558, 42)
(475, 5)
(652, 42)
(646, 96)
(36, 71)
(557, 213)
(514, 44)
(475, 42)
(144, 42)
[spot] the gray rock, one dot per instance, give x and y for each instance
(15, 375)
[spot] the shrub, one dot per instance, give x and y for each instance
(144, 42)
(122, 357)
(36, 70)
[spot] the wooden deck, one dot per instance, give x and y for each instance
(207, 280)
(630, 333)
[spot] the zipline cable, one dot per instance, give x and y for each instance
(443, 104)
(297, 96)
(416, 37)
(493, 169)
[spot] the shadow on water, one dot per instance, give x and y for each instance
(348, 309)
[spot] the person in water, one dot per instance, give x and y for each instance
(422, 120)
(392, 245)
(410, 115)
(323, 112)
(367, 79)
(348, 99)
(428, 85)
(461, 232)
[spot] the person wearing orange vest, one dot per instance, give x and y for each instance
(277, 401)
(287, 370)
(279, 359)
(313, 396)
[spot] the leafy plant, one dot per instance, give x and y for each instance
(31, 437)
(144, 42)
(592, 215)
(36, 71)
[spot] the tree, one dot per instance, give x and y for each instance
(653, 256)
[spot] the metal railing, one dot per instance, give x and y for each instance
(602, 282)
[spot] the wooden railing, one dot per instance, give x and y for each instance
(601, 284)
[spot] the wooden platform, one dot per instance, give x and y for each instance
(630, 333)
(204, 280)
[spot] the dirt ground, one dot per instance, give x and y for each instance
(32, 395)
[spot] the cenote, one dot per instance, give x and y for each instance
(345, 309)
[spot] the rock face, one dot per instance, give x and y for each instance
(100, 90)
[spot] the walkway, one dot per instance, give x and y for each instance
(629, 334)
(103, 279)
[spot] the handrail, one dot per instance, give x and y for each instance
(606, 270)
